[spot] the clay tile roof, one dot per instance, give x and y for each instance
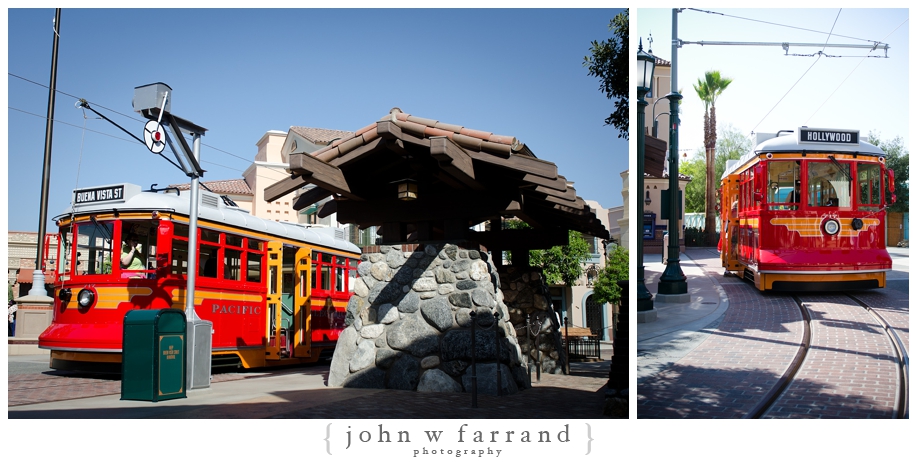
(425, 128)
(238, 187)
(662, 62)
(321, 135)
(501, 173)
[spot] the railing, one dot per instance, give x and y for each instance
(582, 342)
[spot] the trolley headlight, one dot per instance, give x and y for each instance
(85, 298)
(64, 295)
(832, 226)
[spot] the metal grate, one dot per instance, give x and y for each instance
(210, 201)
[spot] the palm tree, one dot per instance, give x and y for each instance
(708, 90)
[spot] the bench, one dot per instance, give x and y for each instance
(576, 332)
(581, 342)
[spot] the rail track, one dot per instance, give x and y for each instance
(778, 402)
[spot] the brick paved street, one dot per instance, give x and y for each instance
(729, 373)
(849, 371)
(580, 395)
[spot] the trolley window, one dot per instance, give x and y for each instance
(232, 264)
(330, 272)
(64, 250)
(210, 235)
(869, 179)
(94, 247)
(254, 267)
(784, 185)
(828, 184)
(179, 250)
(142, 235)
(209, 260)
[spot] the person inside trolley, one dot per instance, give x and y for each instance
(132, 258)
(795, 194)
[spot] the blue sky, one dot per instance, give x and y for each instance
(240, 73)
(867, 94)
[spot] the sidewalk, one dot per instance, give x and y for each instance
(679, 327)
(301, 393)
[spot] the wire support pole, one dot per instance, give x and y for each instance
(46, 168)
(192, 231)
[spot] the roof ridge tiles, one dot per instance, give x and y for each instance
(478, 140)
(479, 134)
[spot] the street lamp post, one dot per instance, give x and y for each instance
(673, 285)
(646, 64)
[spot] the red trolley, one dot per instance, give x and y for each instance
(805, 210)
(275, 292)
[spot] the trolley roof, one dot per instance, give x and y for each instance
(125, 197)
(807, 140)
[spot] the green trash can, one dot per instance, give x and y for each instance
(153, 355)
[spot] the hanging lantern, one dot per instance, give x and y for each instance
(407, 190)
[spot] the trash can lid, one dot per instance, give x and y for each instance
(168, 319)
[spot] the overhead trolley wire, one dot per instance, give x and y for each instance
(851, 73)
(782, 25)
(785, 94)
(818, 56)
(276, 169)
(58, 121)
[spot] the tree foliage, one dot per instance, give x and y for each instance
(696, 168)
(609, 62)
(897, 159)
(732, 145)
(561, 264)
(606, 289)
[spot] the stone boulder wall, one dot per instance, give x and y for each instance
(528, 298)
(409, 323)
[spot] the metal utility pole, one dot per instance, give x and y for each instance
(673, 285)
(38, 276)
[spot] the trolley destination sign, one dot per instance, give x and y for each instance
(102, 194)
(825, 135)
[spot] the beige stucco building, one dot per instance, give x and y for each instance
(270, 166)
(576, 302)
(662, 85)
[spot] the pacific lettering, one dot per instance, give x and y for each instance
(216, 308)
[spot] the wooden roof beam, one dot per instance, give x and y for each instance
(523, 164)
(322, 174)
(310, 197)
(454, 160)
(283, 187)
(558, 184)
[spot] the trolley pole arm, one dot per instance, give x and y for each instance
(85, 105)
